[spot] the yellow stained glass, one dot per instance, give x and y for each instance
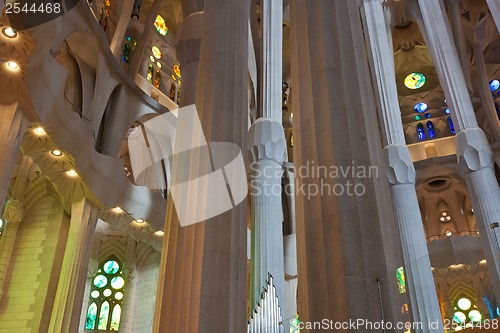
(415, 81)
(115, 318)
(156, 52)
(177, 70)
(161, 25)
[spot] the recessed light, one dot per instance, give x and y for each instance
(56, 152)
(139, 221)
(9, 32)
(72, 173)
(12, 65)
(117, 209)
(39, 130)
(159, 233)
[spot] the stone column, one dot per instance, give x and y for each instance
(266, 154)
(340, 246)
(474, 154)
(71, 286)
(12, 216)
(459, 37)
(12, 125)
(401, 172)
(121, 28)
(136, 58)
(202, 281)
(495, 11)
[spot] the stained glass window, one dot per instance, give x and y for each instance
(161, 25)
(450, 125)
(420, 107)
(150, 73)
(421, 132)
(126, 52)
(427, 115)
(414, 81)
(400, 275)
(494, 85)
(466, 313)
(157, 80)
(177, 70)
(156, 52)
(430, 130)
(106, 297)
(91, 317)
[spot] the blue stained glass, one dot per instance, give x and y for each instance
(126, 52)
(421, 132)
(430, 130)
(427, 115)
(447, 111)
(494, 85)
(450, 125)
(420, 107)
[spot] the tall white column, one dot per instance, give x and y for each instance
(71, 286)
(121, 28)
(495, 11)
(267, 152)
(401, 174)
(459, 37)
(474, 154)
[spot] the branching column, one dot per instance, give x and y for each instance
(474, 154)
(401, 173)
(71, 286)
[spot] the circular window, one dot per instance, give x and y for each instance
(111, 267)
(414, 81)
(107, 292)
(475, 316)
(464, 304)
(494, 85)
(95, 294)
(100, 281)
(118, 295)
(156, 52)
(117, 282)
(459, 318)
(420, 107)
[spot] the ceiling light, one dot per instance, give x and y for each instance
(139, 221)
(12, 65)
(444, 213)
(159, 233)
(117, 209)
(56, 152)
(9, 32)
(39, 130)
(72, 173)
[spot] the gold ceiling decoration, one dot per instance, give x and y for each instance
(407, 36)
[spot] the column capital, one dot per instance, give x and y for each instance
(473, 150)
(13, 212)
(400, 165)
(266, 141)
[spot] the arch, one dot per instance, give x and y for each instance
(421, 132)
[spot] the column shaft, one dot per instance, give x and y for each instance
(121, 28)
(423, 297)
(495, 11)
(71, 286)
(474, 154)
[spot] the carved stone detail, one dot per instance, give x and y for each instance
(473, 150)
(13, 212)
(400, 165)
(266, 140)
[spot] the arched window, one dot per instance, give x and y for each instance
(150, 73)
(157, 79)
(421, 132)
(430, 130)
(126, 52)
(106, 298)
(450, 125)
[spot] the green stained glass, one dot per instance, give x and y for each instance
(111, 267)
(117, 282)
(414, 81)
(400, 274)
(100, 281)
(115, 318)
(103, 316)
(95, 294)
(91, 317)
(118, 296)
